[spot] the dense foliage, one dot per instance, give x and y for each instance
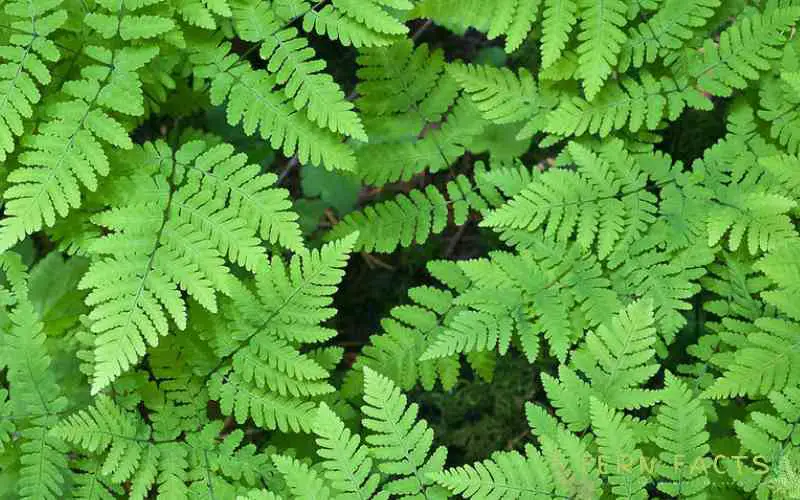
(592, 207)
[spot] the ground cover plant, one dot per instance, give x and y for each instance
(274, 249)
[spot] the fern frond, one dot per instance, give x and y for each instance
(412, 218)
(666, 31)
(251, 98)
(66, 152)
(508, 475)
(336, 25)
(303, 481)
(204, 13)
(617, 357)
(600, 201)
(23, 64)
(682, 438)
(559, 18)
(129, 21)
(34, 393)
(268, 379)
(781, 267)
(347, 462)
(183, 214)
(516, 296)
(601, 39)
(637, 105)
(407, 333)
(774, 435)
(105, 427)
(617, 446)
(668, 279)
(769, 360)
(374, 14)
(411, 112)
(502, 96)
(566, 456)
(295, 66)
(744, 49)
(400, 444)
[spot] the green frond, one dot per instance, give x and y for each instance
(560, 17)
(600, 41)
(128, 20)
(296, 68)
(406, 335)
(512, 19)
(618, 356)
(599, 202)
(514, 296)
(23, 65)
(129, 454)
(105, 427)
(774, 435)
(502, 96)
(629, 103)
(768, 360)
(737, 284)
(617, 447)
(67, 152)
(565, 455)
(668, 30)
(268, 378)
(668, 279)
(782, 268)
(182, 215)
(744, 208)
(303, 481)
(411, 112)
(744, 49)
(683, 440)
(34, 392)
(347, 462)
(252, 100)
(413, 218)
(204, 13)
(399, 442)
(338, 26)
(508, 475)
(779, 101)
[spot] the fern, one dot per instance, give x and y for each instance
(617, 444)
(253, 102)
(65, 152)
(635, 105)
(403, 92)
(292, 62)
(601, 39)
(559, 18)
(766, 361)
(262, 375)
(400, 443)
(505, 475)
(592, 205)
(773, 436)
(34, 393)
(725, 67)
(24, 65)
(667, 30)
(616, 361)
(173, 229)
(682, 439)
(128, 21)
